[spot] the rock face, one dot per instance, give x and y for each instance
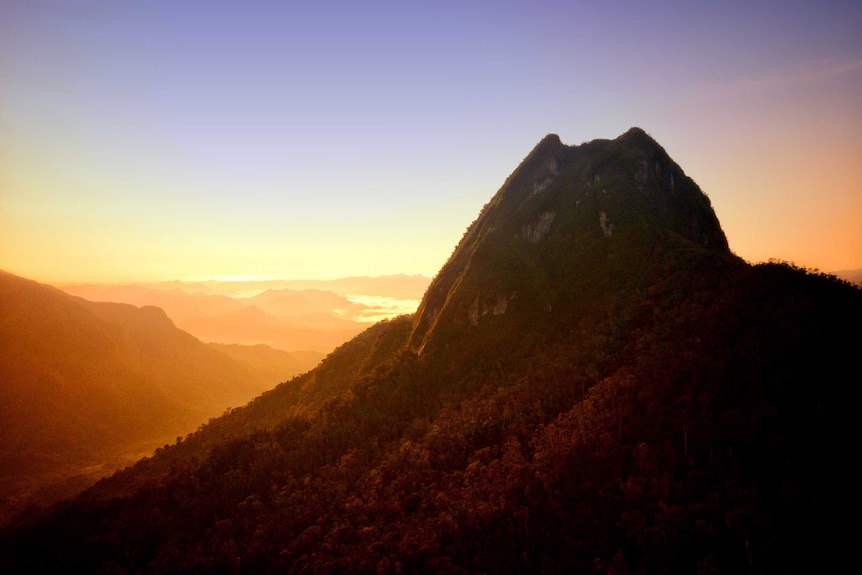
(564, 208)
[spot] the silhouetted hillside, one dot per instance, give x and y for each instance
(570, 397)
(88, 387)
(852, 276)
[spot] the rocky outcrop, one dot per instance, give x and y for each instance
(481, 307)
(536, 230)
(606, 225)
(541, 224)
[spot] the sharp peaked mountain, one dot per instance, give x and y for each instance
(593, 383)
(540, 244)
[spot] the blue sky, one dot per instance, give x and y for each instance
(187, 140)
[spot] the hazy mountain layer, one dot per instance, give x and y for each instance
(289, 315)
(87, 387)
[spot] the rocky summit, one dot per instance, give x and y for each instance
(564, 211)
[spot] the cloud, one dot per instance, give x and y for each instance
(821, 71)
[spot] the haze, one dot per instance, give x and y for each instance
(146, 141)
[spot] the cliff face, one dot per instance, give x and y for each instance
(558, 215)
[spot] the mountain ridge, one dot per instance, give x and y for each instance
(84, 383)
(676, 410)
(308, 318)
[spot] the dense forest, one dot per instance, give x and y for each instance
(564, 400)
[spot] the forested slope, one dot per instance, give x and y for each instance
(644, 401)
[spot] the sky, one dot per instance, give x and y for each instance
(185, 139)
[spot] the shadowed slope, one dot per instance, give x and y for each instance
(88, 386)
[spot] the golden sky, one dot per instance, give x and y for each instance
(145, 141)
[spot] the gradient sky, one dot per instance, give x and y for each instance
(184, 139)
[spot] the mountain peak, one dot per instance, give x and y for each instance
(549, 142)
(636, 132)
(562, 211)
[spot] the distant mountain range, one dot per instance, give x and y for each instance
(593, 383)
(88, 387)
(298, 315)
